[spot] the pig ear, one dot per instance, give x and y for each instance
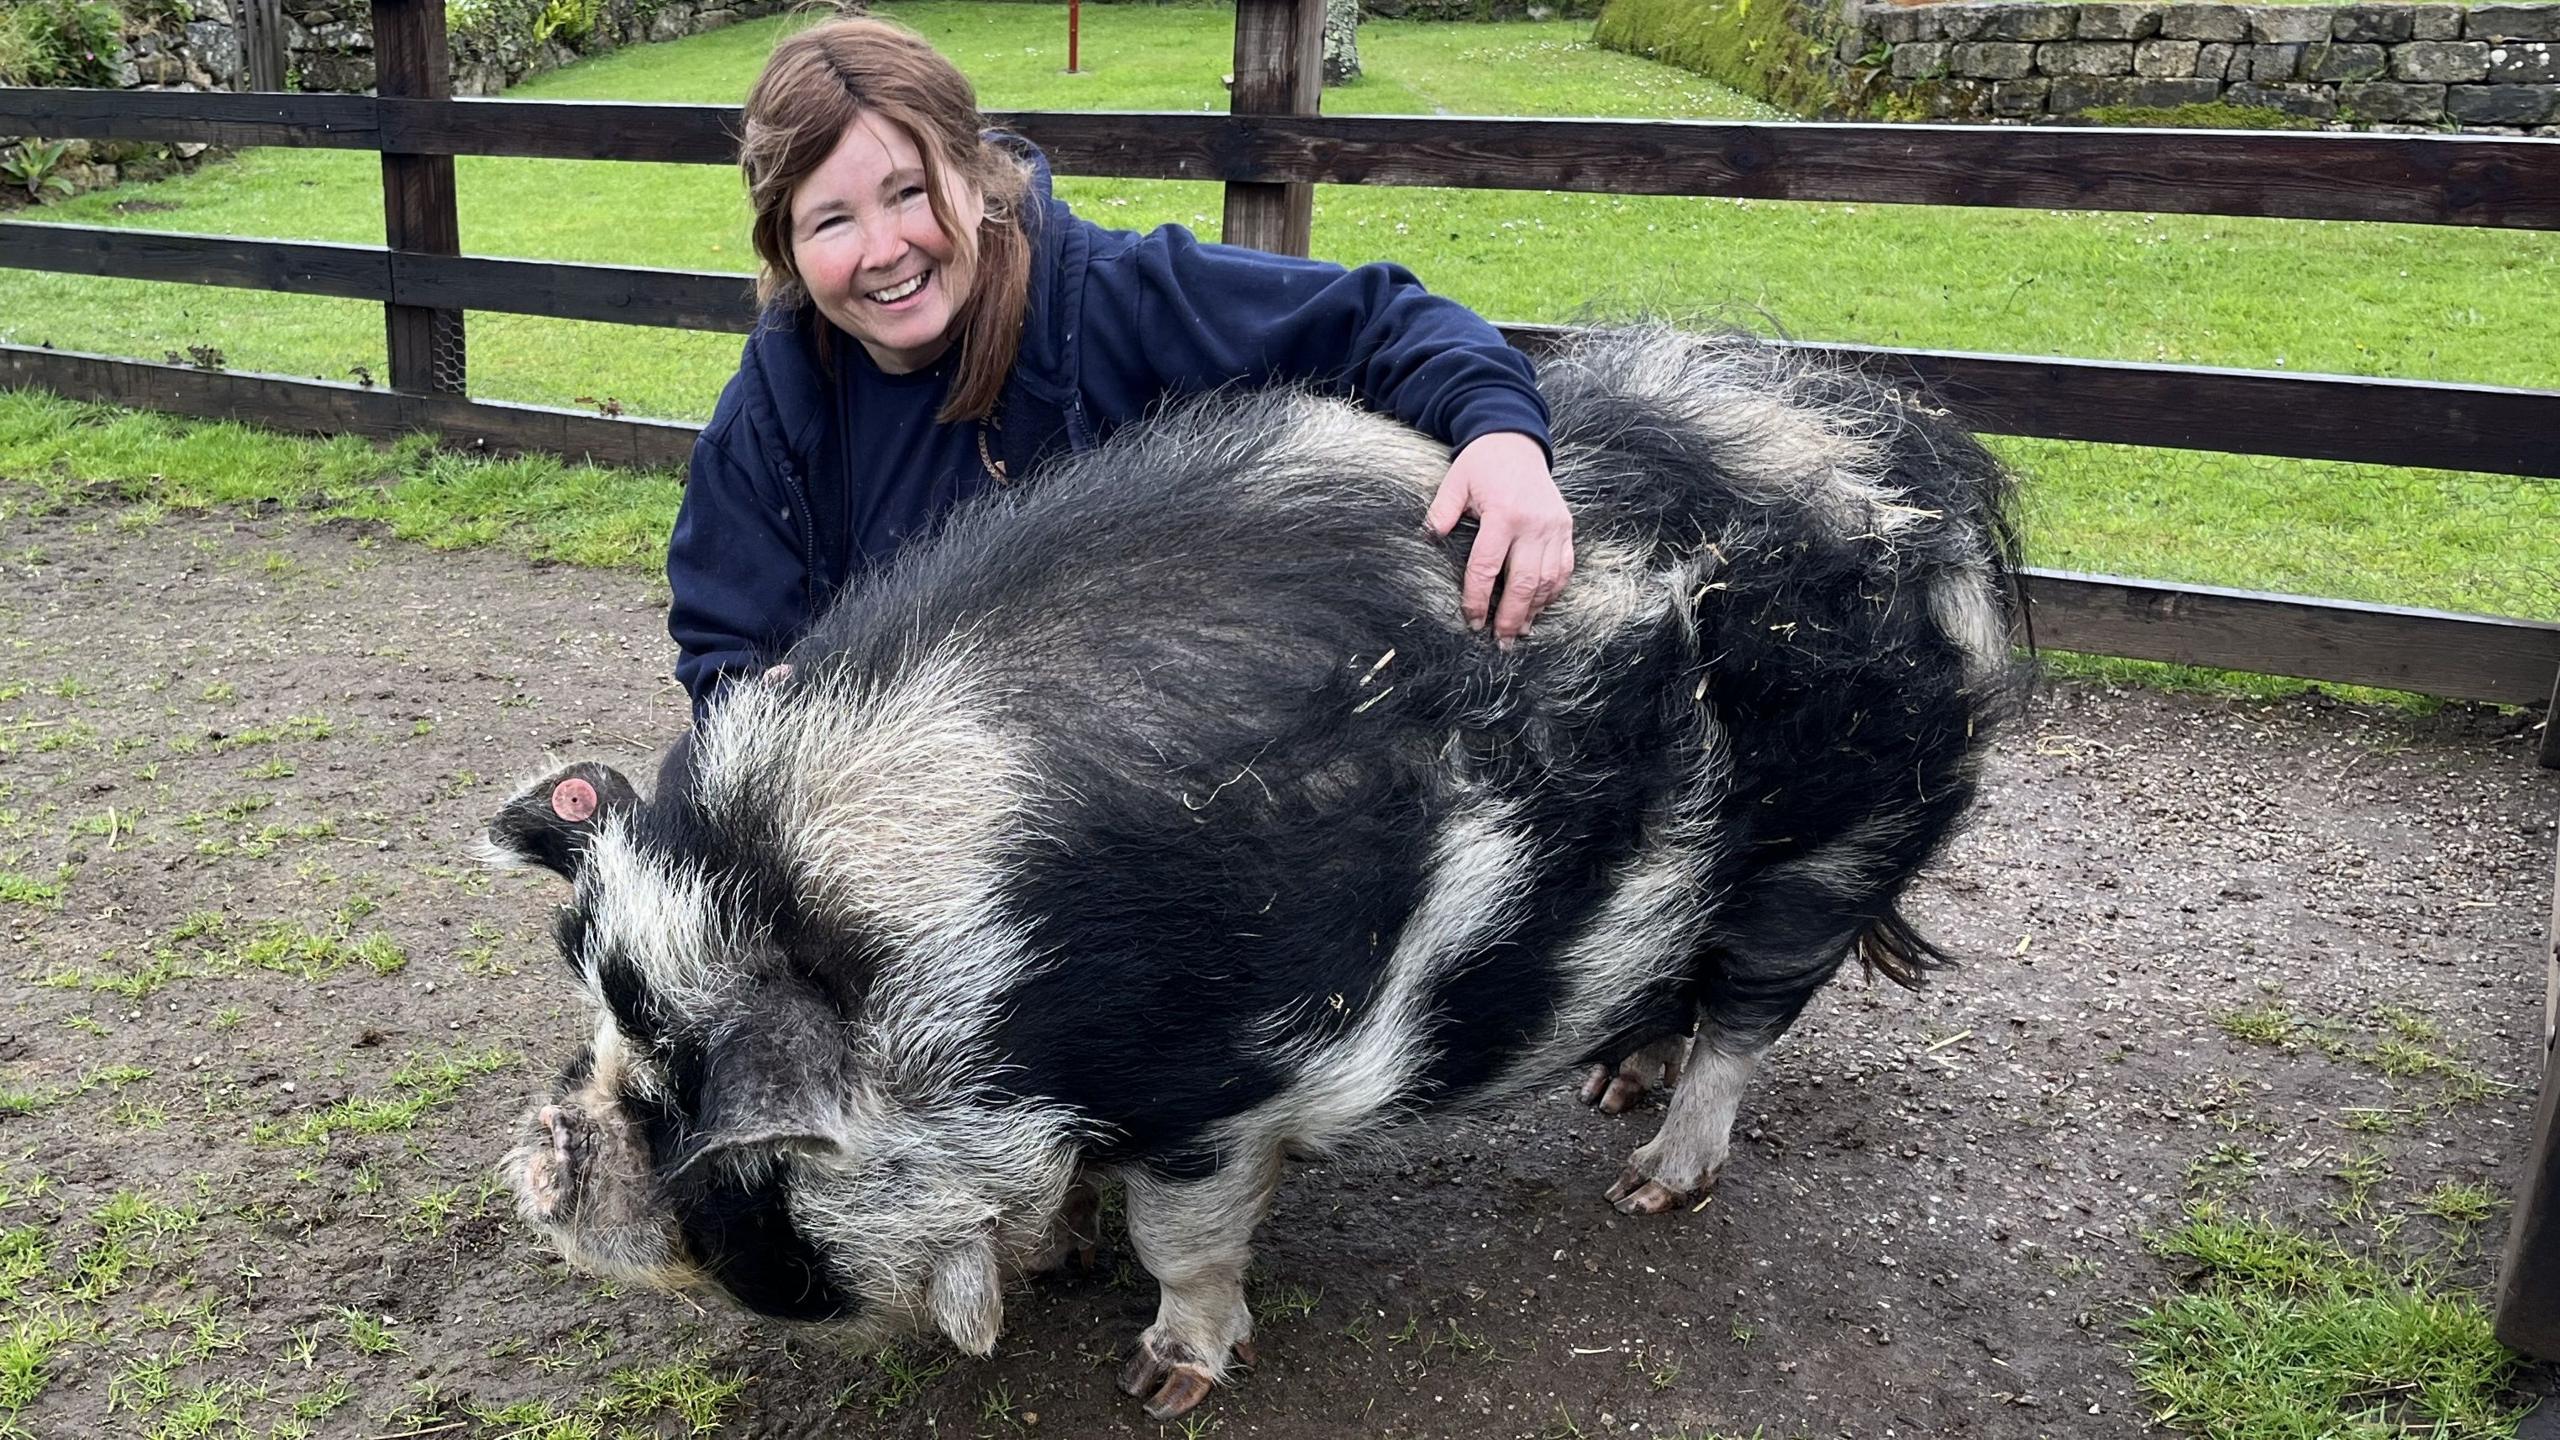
(966, 1296)
(780, 1078)
(551, 822)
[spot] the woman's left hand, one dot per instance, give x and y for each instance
(1524, 535)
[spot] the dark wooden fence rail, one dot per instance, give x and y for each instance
(2417, 179)
(1269, 154)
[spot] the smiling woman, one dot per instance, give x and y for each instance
(874, 252)
(992, 330)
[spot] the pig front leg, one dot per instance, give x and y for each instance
(1196, 1237)
(1681, 1161)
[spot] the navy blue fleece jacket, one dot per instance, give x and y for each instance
(1115, 322)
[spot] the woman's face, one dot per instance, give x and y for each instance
(870, 252)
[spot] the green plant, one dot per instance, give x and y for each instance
(33, 167)
(22, 45)
(568, 21)
(62, 42)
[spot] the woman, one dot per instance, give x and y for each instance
(935, 322)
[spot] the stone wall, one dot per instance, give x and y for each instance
(195, 45)
(2493, 68)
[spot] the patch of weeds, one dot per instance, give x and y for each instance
(325, 1399)
(587, 1343)
(30, 1102)
(25, 1253)
(2362, 1172)
(288, 949)
(1660, 1372)
(2223, 1166)
(697, 1395)
(2459, 1202)
(227, 1016)
(143, 1385)
(369, 1334)
(115, 826)
(2284, 1334)
(219, 692)
(18, 889)
(995, 1407)
(86, 1025)
(69, 688)
(1294, 1301)
(137, 1115)
(260, 843)
(480, 957)
(69, 735)
(420, 1085)
(29, 1339)
(898, 1377)
(271, 770)
(430, 1213)
(2459, 1084)
(2372, 1120)
(296, 727)
(1468, 1342)
(2262, 1025)
(534, 1420)
(134, 1232)
(203, 1413)
(2411, 1026)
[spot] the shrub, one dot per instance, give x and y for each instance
(1764, 48)
(60, 42)
(568, 21)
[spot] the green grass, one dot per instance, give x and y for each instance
(2284, 1336)
(2382, 300)
(417, 1087)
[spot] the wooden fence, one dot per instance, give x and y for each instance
(1270, 152)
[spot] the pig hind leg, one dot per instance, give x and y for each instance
(1653, 1066)
(1196, 1237)
(1789, 936)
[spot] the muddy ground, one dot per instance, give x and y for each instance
(268, 1028)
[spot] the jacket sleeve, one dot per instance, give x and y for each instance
(1167, 313)
(737, 567)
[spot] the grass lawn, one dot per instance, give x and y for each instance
(2384, 300)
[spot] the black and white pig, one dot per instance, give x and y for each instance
(1162, 818)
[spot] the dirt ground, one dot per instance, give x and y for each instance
(268, 1029)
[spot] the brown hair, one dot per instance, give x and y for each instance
(815, 85)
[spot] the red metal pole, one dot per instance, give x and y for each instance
(1074, 16)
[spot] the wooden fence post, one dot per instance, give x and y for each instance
(2528, 1295)
(262, 44)
(2550, 748)
(1279, 71)
(413, 62)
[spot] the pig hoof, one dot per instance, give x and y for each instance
(1170, 1382)
(1617, 1088)
(1180, 1394)
(1639, 1194)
